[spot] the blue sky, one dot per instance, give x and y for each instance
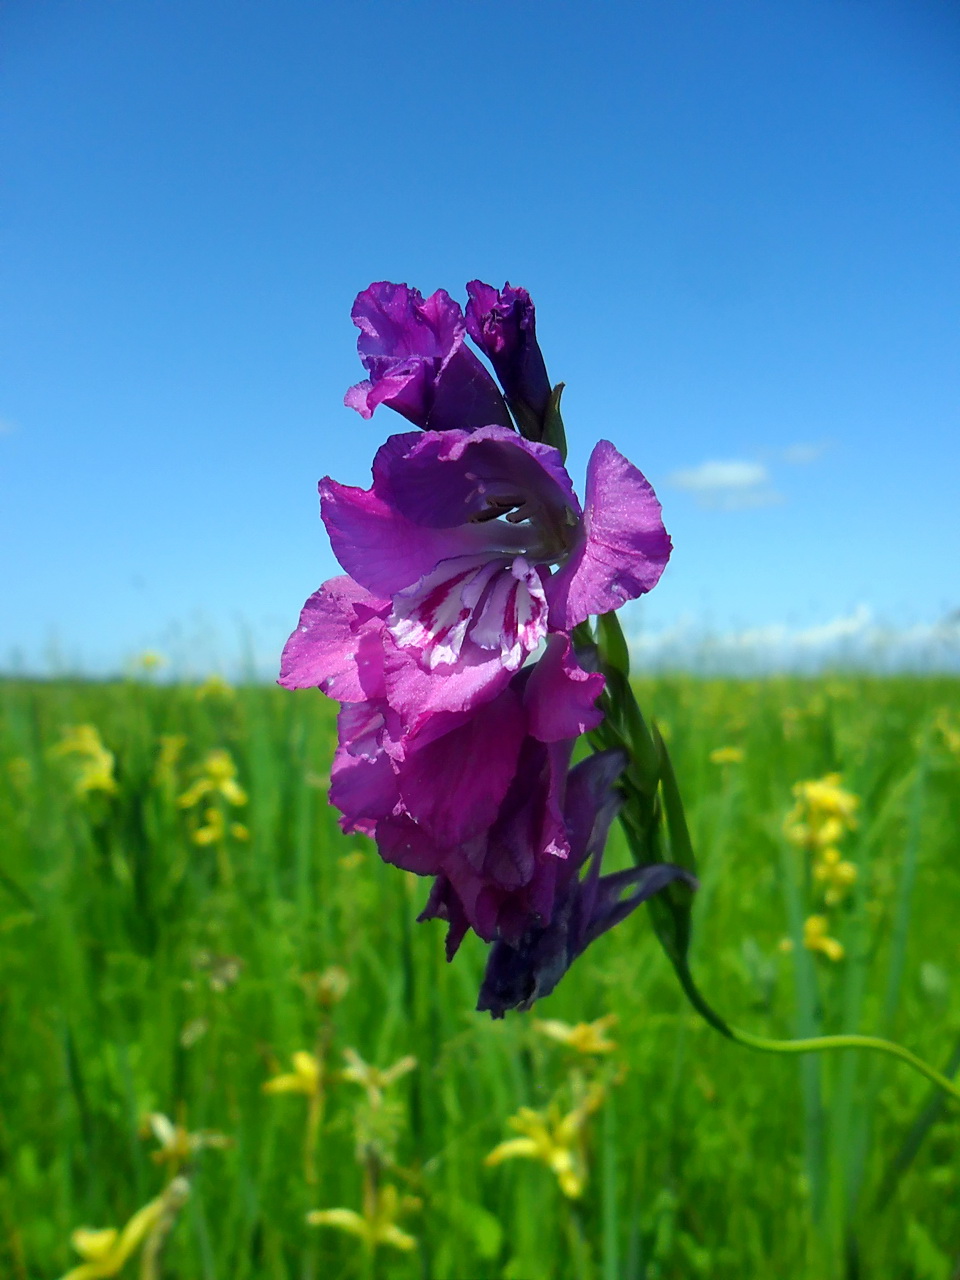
(738, 222)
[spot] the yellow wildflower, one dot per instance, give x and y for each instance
(214, 687)
(149, 660)
(816, 938)
(91, 762)
(823, 812)
(377, 1225)
(105, 1251)
(836, 875)
(726, 755)
(558, 1141)
(20, 772)
(949, 731)
(372, 1079)
(585, 1037)
(327, 988)
(168, 757)
(177, 1144)
(218, 776)
(216, 827)
(306, 1077)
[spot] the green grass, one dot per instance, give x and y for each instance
(706, 1160)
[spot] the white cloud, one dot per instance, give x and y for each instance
(710, 476)
(731, 485)
(856, 638)
(799, 455)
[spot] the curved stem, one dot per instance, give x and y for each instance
(816, 1044)
(813, 1044)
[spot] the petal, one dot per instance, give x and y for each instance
(419, 697)
(503, 325)
(413, 348)
(443, 479)
(443, 904)
(404, 844)
(380, 548)
(610, 907)
(623, 547)
(322, 652)
(453, 786)
(560, 697)
(363, 790)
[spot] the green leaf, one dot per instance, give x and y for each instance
(672, 909)
(612, 644)
(553, 430)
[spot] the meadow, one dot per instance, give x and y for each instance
(182, 923)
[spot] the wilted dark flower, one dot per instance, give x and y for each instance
(518, 973)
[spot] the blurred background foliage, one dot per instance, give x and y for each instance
(181, 923)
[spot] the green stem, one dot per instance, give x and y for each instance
(812, 1044)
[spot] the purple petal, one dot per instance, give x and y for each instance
(453, 786)
(363, 790)
(419, 696)
(414, 351)
(609, 908)
(503, 325)
(592, 803)
(379, 547)
(560, 697)
(403, 843)
(623, 546)
(322, 652)
(441, 480)
(443, 904)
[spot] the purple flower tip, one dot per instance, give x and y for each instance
(503, 325)
(418, 363)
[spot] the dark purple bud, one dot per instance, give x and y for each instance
(415, 352)
(519, 974)
(503, 325)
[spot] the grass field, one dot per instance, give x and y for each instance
(167, 935)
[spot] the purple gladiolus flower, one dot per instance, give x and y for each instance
(415, 352)
(479, 544)
(437, 778)
(521, 971)
(503, 325)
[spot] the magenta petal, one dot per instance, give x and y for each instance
(322, 652)
(454, 785)
(413, 349)
(363, 790)
(623, 546)
(378, 546)
(419, 696)
(560, 697)
(441, 479)
(404, 844)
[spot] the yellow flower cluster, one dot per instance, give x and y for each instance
(377, 1225)
(820, 818)
(214, 687)
(105, 1251)
(823, 813)
(727, 755)
(168, 757)
(217, 779)
(90, 761)
(584, 1037)
(949, 731)
(817, 938)
(555, 1139)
